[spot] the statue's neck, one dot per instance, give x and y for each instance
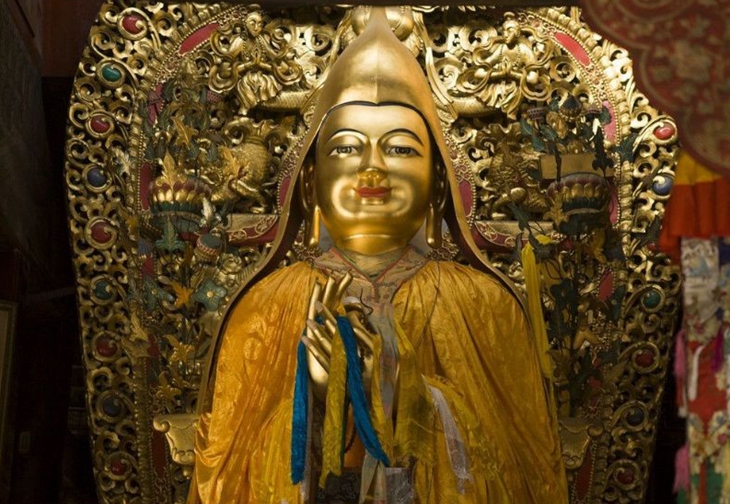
(373, 265)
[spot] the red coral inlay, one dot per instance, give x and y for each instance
(197, 38)
(573, 47)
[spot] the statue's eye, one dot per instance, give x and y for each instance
(400, 150)
(343, 150)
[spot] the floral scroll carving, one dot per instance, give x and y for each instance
(180, 135)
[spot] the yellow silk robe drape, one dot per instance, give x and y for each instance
(470, 337)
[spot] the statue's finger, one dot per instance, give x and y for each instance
(362, 334)
(342, 286)
(330, 321)
(323, 338)
(316, 353)
(313, 339)
(356, 313)
(356, 318)
(365, 338)
(312, 311)
(329, 290)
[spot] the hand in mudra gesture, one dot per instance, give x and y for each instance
(322, 328)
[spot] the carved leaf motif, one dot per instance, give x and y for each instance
(455, 43)
(169, 241)
(182, 294)
(167, 391)
(138, 332)
(169, 167)
(186, 132)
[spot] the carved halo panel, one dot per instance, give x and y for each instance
(183, 123)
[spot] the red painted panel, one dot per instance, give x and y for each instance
(573, 47)
(466, 197)
(198, 37)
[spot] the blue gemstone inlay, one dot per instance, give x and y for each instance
(112, 406)
(96, 177)
(663, 185)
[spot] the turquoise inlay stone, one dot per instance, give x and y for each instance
(651, 299)
(111, 73)
(103, 290)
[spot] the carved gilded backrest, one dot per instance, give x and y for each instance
(183, 124)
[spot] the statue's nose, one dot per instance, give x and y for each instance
(373, 168)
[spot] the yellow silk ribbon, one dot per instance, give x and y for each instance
(416, 413)
(413, 436)
(383, 426)
(533, 286)
(334, 418)
(534, 279)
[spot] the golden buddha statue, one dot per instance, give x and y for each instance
(420, 377)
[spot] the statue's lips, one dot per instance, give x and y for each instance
(372, 192)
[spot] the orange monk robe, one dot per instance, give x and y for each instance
(470, 338)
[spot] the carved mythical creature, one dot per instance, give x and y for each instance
(508, 68)
(508, 176)
(245, 170)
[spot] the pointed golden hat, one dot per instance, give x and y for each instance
(377, 68)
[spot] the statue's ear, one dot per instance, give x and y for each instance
(435, 214)
(308, 198)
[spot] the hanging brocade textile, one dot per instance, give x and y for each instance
(702, 369)
(697, 230)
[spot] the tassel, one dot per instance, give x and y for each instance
(299, 417)
(533, 285)
(719, 357)
(382, 424)
(534, 306)
(681, 469)
(360, 407)
(304, 486)
(680, 355)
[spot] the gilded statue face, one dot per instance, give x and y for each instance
(511, 32)
(254, 24)
(373, 176)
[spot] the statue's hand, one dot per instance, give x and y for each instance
(318, 338)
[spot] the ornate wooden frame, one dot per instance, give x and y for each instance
(144, 329)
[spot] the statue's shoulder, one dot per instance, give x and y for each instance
(285, 282)
(470, 281)
(265, 302)
(462, 272)
(286, 273)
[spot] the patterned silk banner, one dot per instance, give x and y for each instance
(680, 50)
